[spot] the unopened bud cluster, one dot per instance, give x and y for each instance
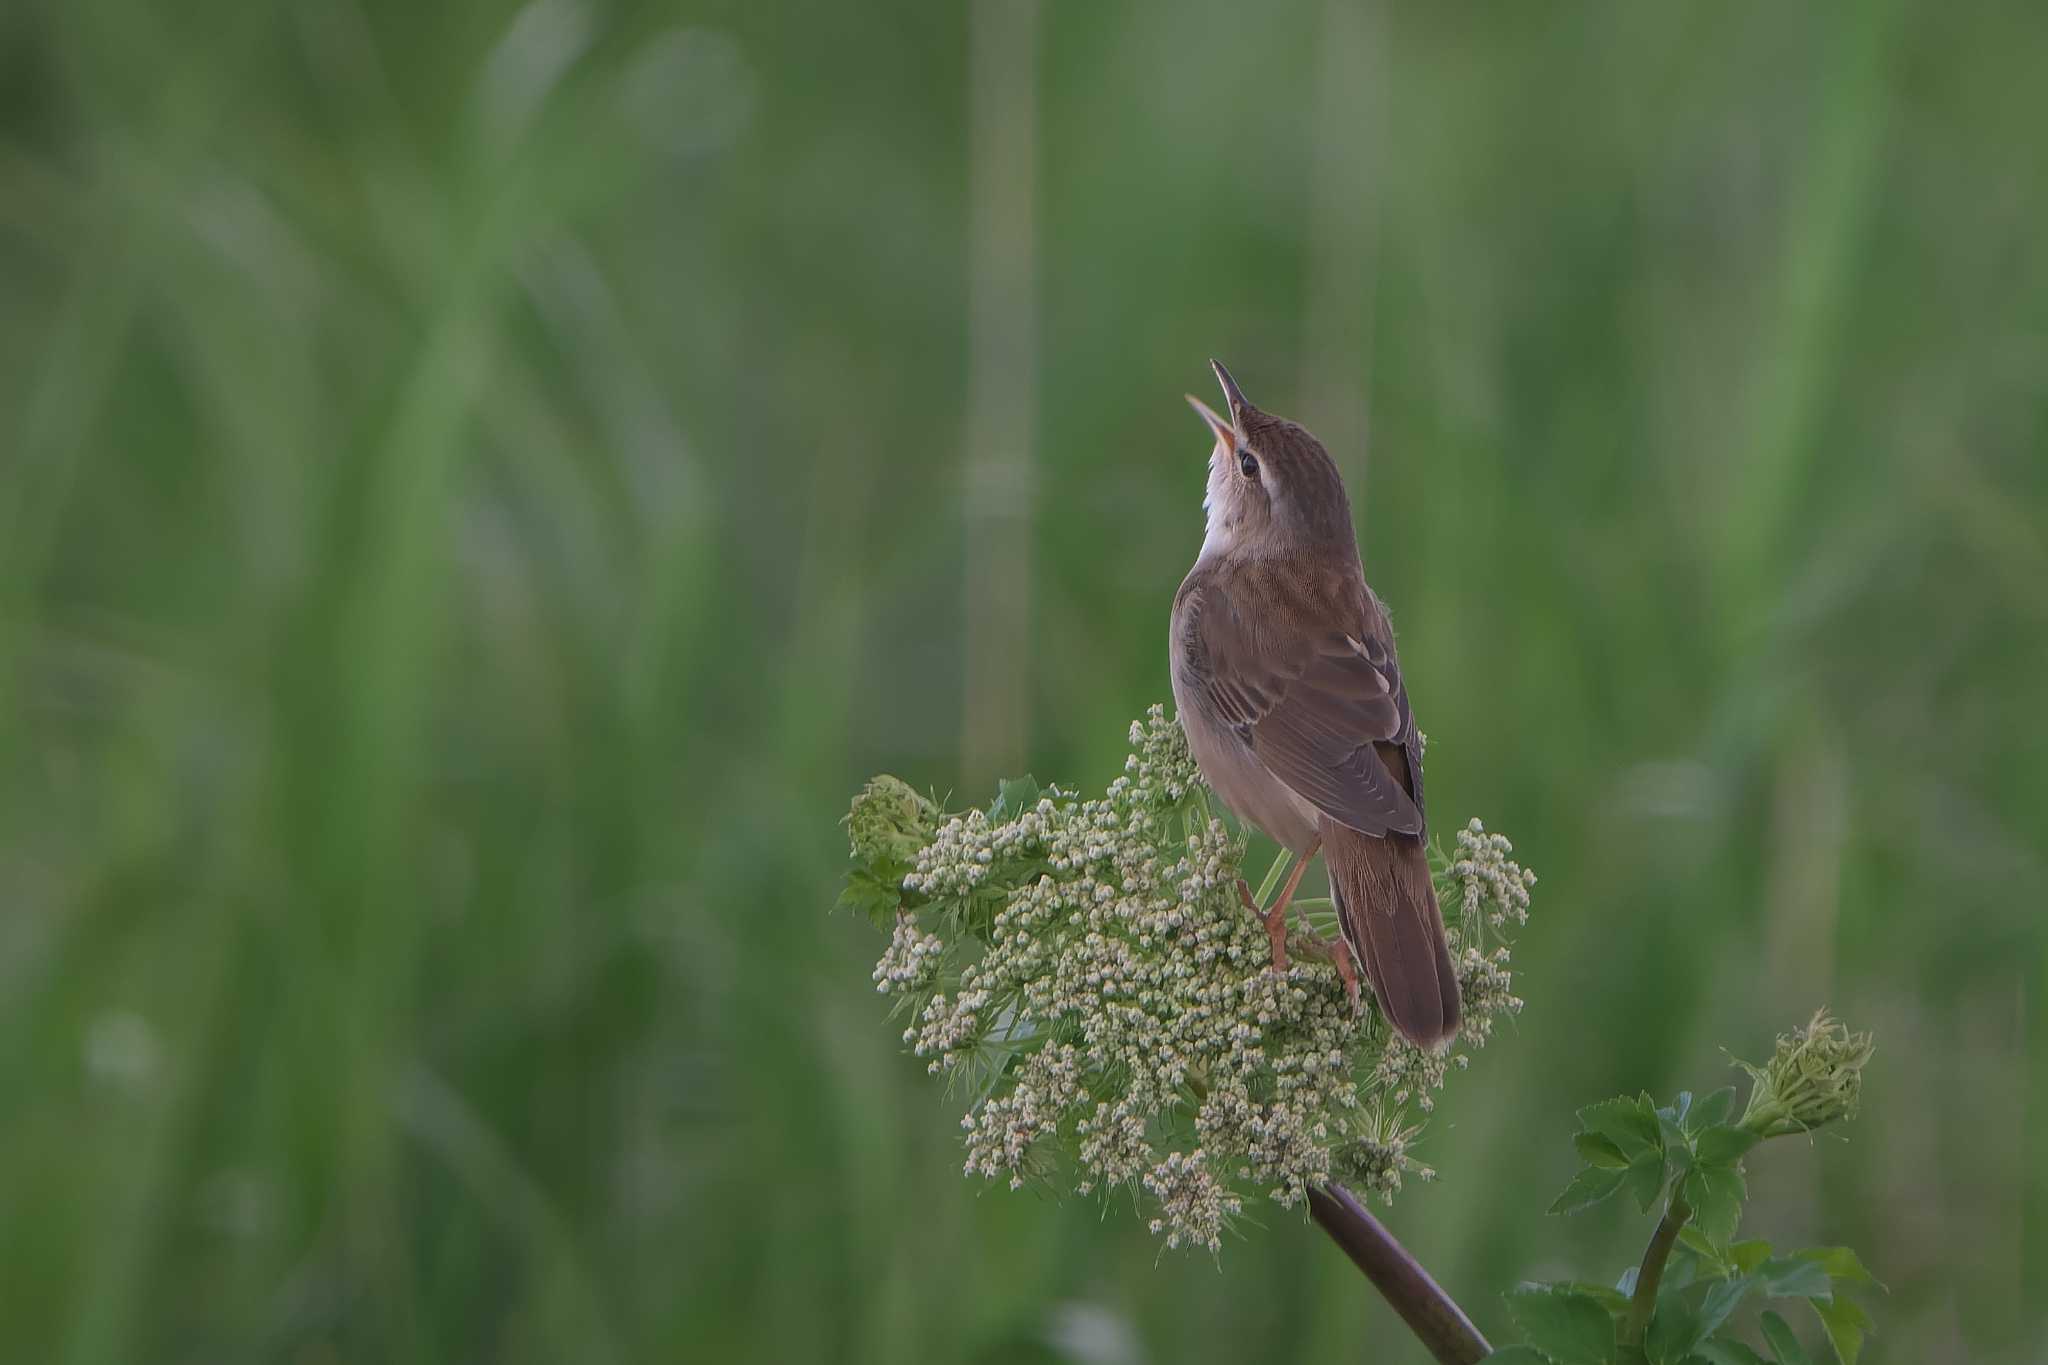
(1089, 965)
(1814, 1078)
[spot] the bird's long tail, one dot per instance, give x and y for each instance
(1386, 907)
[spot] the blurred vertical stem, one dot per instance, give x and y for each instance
(1342, 226)
(1809, 298)
(1001, 381)
(1431, 1314)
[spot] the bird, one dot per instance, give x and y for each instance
(1291, 697)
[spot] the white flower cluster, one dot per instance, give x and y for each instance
(1485, 874)
(1100, 977)
(912, 958)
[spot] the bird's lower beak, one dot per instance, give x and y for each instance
(1226, 435)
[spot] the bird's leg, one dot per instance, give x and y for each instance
(1275, 919)
(1277, 937)
(1347, 967)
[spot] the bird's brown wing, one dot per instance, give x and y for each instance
(1316, 707)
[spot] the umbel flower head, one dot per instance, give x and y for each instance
(1814, 1078)
(1085, 972)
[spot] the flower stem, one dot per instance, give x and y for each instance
(1281, 861)
(1651, 1273)
(1431, 1314)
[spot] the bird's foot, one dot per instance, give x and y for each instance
(1336, 951)
(1275, 921)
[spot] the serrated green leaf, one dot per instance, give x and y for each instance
(1646, 1179)
(1695, 1241)
(1723, 1144)
(1716, 1196)
(1841, 1264)
(1674, 1328)
(1721, 1300)
(1682, 1270)
(868, 895)
(1588, 1187)
(1726, 1351)
(1846, 1325)
(1789, 1277)
(1518, 1355)
(1677, 1144)
(1569, 1327)
(1784, 1344)
(1631, 1125)
(1749, 1256)
(1711, 1110)
(1614, 1301)
(1596, 1150)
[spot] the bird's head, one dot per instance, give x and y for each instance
(1272, 487)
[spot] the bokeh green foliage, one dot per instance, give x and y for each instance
(482, 482)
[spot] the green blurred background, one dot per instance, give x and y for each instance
(483, 484)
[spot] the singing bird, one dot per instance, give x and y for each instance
(1291, 697)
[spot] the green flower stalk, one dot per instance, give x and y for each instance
(1085, 971)
(1814, 1078)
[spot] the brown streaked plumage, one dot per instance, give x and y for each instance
(1291, 696)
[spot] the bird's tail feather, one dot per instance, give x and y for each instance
(1386, 907)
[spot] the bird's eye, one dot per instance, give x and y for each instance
(1248, 464)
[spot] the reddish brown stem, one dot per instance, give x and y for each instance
(1437, 1321)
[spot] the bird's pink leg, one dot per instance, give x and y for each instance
(1275, 919)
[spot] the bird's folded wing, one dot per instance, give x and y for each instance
(1314, 709)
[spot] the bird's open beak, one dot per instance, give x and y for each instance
(1226, 436)
(1232, 394)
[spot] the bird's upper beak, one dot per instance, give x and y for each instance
(1226, 435)
(1233, 395)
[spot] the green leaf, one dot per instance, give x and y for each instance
(1646, 1179)
(1677, 1145)
(1841, 1264)
(1846, 1325)
(1716, 1195)
(1569, 1327)
(1681, 1271)
(1014, 796)
(1692, 1239)
(1674, 1329)
(1630, 1124)
(867, 894)
(1595, 1150)
(1727, 1351)
(1723, 1144)
(1588, 1187)
(1711, 1111)
(1783, 1344)
(1614, 1300)
(1518, 1355)
(1722, 1300)
(1789, 1277)
(1749, 1256)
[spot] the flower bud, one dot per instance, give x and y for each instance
(1815, 1077)
(889, 822)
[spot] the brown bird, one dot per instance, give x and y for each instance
(1291, 697)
